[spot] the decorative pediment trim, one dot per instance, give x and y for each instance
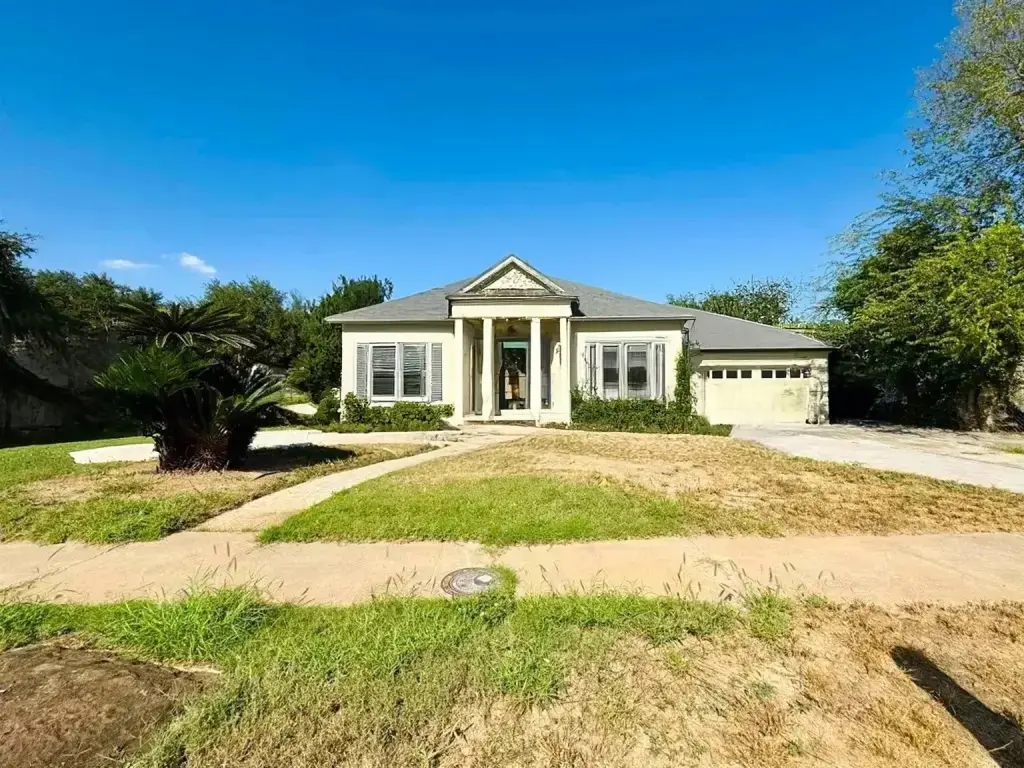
(511, 277)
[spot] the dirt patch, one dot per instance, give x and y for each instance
(784, 493)
(81, 708)
(832, 694)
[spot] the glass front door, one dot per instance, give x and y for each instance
(513, 375)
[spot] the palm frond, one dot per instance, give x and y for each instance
(184, 325)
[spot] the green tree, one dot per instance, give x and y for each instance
(27, 318)
(88, 303)
(273, 317)
(971, 105)
(765, 301)
(318, 367)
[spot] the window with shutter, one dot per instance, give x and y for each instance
(414, 370)
(362, 350)
(436, 373)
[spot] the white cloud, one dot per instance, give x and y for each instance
(125, 264)
(188, 261)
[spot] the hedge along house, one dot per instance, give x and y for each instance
(512, 343)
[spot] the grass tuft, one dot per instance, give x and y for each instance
(769, 615)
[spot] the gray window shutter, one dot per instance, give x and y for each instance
(436, 373)
(659, 370)
(362, 353)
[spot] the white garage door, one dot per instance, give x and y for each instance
(757, 395)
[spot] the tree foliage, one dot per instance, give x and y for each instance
(930, 299)
(27, 318)
(273, 317)
(767, 301)
(177, 324)
(317, 369)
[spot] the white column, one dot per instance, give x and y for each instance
(563, 400)
(487, 377)
(460, 369)
(535, 373)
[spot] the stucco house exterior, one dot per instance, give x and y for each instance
(512, 343)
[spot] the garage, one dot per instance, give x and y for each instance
(738, 394)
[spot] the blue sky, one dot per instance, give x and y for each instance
(647, 147)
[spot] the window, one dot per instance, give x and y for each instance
(718, 374)
(398, 372)
(746, 374)
(766, 373)
(805, 373)
(414, 370)
(780, 373)
(732, 373)
(636, 371)
(610, 371)
(383, 378)
(794, 373)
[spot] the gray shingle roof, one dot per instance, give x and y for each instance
(709, 331)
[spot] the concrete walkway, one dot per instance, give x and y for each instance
(943, 460)
(888, 570)
(276, 507)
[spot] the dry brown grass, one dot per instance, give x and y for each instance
(266, 471)
(786, 495)
(830, 694)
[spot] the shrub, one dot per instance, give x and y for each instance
(327, 410)
(400, 417)
(595, 413)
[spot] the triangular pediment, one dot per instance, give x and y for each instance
(511, 277)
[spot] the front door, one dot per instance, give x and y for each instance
(513, 375)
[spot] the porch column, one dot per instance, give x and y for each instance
(487, 377)
(563, 399)
(460, 370)
(535, 371)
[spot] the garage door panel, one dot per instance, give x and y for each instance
(756, 400)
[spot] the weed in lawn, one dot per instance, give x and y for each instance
(768, 614)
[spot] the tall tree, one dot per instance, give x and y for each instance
(971, 105)
(318, 367)
(271, 315)
(26, 318)
(765, 301)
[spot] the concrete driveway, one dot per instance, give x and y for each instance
(963, 457)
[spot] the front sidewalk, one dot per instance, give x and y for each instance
(886, 570)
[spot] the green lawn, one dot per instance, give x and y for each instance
(1018, 449)
(503, 510)
(372, 684)
(46, 497)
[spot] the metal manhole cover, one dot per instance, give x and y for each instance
(469, 581)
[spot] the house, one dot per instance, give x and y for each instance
(512, 344)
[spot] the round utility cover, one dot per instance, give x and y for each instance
(469, 581)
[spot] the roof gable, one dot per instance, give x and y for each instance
(510, 277)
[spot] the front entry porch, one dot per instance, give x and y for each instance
(513, 369)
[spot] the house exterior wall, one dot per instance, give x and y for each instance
(758, 400)
(441, 332)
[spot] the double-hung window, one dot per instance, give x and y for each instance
(398, 372)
